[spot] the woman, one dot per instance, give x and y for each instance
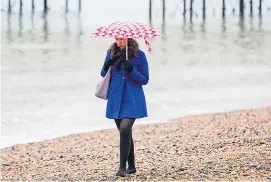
(126, 99)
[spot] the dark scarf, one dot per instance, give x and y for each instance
(122, 58)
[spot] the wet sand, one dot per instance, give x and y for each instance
(222, 146)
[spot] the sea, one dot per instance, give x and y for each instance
(50, 65)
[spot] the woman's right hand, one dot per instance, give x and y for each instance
(107, 64)
(111, 61)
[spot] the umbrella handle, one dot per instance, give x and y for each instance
(127, 49)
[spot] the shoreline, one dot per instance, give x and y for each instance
(105, 127)
(108, 126)
(232, 145)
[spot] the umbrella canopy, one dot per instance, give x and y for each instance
(127, 29)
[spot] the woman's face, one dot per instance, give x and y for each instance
(121, 42)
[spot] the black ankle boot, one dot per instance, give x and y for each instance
(121, 172)
(131, 170)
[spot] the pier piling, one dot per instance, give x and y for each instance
(223, 8)
(67, 5)
(9, 6)
(45, 6)
(191, 9)
(184, 7)
(260, 7)
(204, 9)
(33, 5)
(241, 8)
(79, 5)
(251, 7)
(164, 10)
(150, 12)
(21, 5)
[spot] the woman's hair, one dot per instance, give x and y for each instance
(133, 48)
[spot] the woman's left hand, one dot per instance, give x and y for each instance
(128, 66)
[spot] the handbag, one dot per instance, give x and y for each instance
(103, 85)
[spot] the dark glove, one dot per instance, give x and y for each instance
(112, 60)
(107, 64)
(128, 66)
(121, 59)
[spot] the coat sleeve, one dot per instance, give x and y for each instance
(141, 73)
(103, 73)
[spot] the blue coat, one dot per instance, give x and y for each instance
(126, 98)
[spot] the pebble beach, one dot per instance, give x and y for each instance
(234, 145)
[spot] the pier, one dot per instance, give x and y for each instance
(45, 5)
(224, 2)
(188, 7)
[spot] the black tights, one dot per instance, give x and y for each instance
(126, 141)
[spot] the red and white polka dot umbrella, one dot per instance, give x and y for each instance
(127, 29)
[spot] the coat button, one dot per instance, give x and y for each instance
(123, 78)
